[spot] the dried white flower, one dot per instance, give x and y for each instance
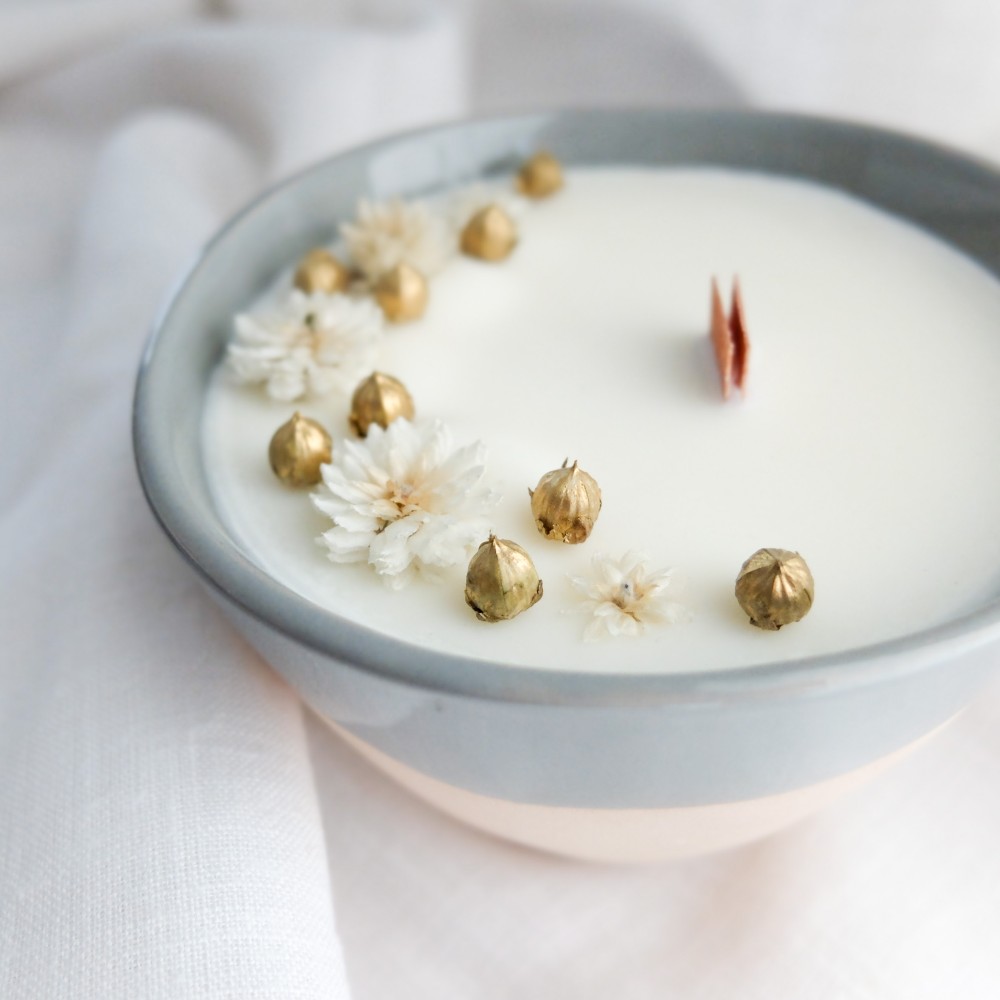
(466, 202)
(404, 500)
(394, 232)
(312, 343)
(622, 597)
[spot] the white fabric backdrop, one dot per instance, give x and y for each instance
(171, 824)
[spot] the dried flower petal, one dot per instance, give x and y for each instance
(397, 232)
(622, 597)
(404, 500)
(311, 344)
(730, 340)
(741, 339)
(722, 342)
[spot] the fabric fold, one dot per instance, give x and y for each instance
(159, 829)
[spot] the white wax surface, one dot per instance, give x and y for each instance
(868, 440)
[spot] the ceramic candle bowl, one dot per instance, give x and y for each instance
(619, 766)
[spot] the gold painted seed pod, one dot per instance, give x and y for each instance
(379, 399)
(565, 504)
(320, 271)
(775, 587)
(402, 293)
(501, 581)
(298, 448)
(489, 235)
(540, 176)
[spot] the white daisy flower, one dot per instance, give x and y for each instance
(395, 232)
(404, 500)
(312, 344)
(622, 597)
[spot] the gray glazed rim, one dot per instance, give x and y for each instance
(830, 152)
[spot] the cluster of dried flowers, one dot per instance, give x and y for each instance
(325, 335)
(402, 497)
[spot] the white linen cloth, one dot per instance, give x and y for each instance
(172, 824)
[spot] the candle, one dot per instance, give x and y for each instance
(867, 439)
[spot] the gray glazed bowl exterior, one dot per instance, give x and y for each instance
(562, 738)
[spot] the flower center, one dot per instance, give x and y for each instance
(403, 496)
(307, 335)
(625, 598)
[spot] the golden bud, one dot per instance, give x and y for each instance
(502, 581)
(490, 234)
(775, 588)
(297, 450)
(565, 504)
(320, 271)
(379, 399)
(540, 176)
(402, 293)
